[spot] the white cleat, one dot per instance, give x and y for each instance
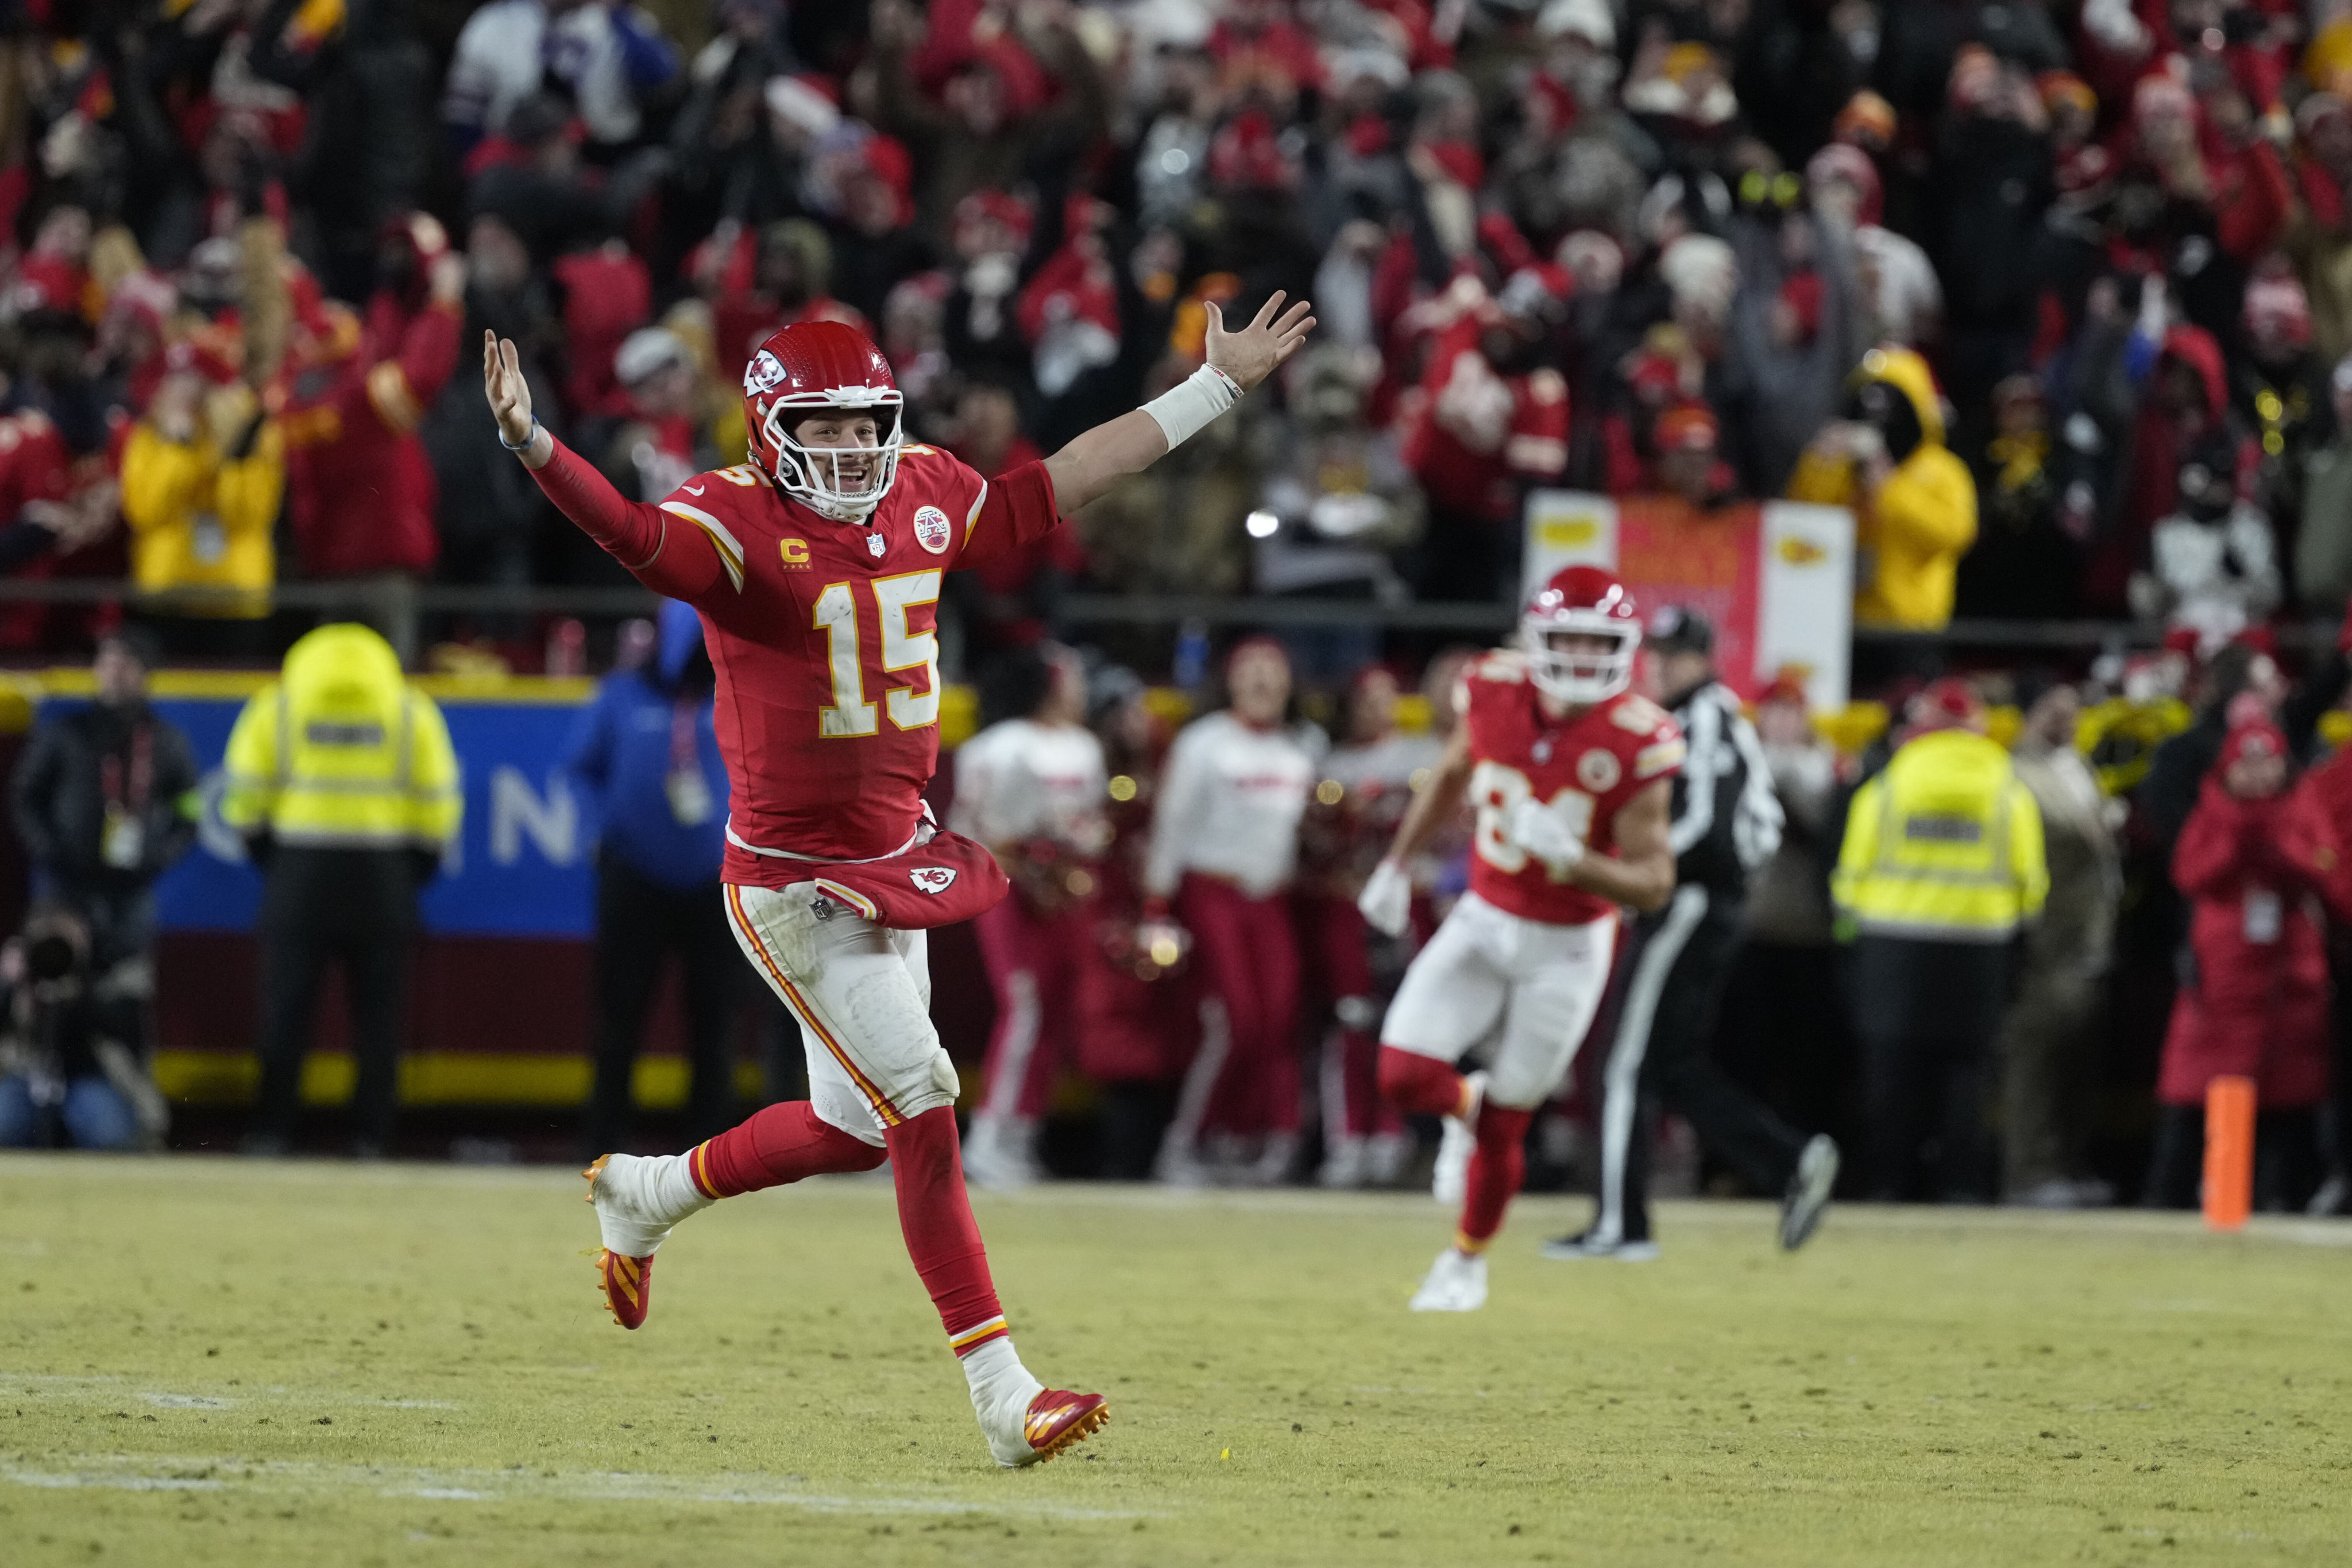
(1457, 1283)
(1344, 1165)
(1457, 1140)
(996, 1155)
(630, 1213)
(1178, 1165)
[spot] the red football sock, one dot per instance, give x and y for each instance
(942, 1237)
(1496, 1168)
(781, 1143)
(1418, 1085)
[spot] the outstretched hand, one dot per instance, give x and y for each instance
(510, 396)
(1252, 354)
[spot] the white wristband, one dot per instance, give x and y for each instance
(1184, 410)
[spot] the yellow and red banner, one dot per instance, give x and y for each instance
(1775, 578)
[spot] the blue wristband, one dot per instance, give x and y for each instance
(527, 440)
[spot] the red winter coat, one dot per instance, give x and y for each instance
(1529, 443)
(2255, 873)
(358, 486)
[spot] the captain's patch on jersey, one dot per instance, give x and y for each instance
(764, 372)
(933, 879)
(1597, 771)
(932, 529)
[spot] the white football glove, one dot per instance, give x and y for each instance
(1544, 834)
(1386, 902)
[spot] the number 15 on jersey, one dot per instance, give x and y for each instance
(850, 714)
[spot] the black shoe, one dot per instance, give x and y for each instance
(1807, 1197)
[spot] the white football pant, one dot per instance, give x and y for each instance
(1533, 986)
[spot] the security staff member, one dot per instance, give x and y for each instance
(1726, 824)
(1943, 863)
(342, 782)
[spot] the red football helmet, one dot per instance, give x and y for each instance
(808, 369)
(1585, 600)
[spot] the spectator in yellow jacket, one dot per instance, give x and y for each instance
(1913, 503)
(202, 477)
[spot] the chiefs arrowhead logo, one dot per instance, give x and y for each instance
(933, 879)
(764, 372)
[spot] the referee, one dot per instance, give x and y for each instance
(1727, 822)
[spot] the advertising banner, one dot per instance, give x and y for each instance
(522, 862)
(1775, 578)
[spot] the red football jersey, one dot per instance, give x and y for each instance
(1587, 766)
(823, 637)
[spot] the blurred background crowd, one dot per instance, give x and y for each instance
(2056, 295)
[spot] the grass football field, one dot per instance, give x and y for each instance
(207, 1361)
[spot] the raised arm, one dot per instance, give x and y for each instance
(681, 562)
(1131, 443)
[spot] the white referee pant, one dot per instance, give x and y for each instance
(1532, 985)
(862, 994)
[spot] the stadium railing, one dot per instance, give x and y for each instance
(400, 607)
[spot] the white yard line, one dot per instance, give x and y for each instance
(226, 1473)
(106, 1390)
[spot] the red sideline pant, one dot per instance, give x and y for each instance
(1033, 967)
(1245, 1078)
(1335, 935)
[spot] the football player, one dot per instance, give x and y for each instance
(1568, 774)
(816, 569)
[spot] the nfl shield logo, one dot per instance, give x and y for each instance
(933, 879)
(932, 529)
(874, 542)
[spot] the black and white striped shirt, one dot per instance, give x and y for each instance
(1727, 820)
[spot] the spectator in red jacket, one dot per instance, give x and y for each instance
(360, 487)
(1490, 416)
(2257, 860)
(1009, 603)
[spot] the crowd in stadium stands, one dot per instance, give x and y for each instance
(2055, 294)
(2052, 293)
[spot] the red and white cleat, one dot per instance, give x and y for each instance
(621, 1189)
(1056, 1419)
(628, 1286)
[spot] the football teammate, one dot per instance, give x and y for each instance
(1569, 775)
(1032, 786)
(816, 569)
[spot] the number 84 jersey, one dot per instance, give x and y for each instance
(1585, 766)
(824, 638)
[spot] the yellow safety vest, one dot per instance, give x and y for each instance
(1945, 845)
(340, 751)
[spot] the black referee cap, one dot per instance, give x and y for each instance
(1678, 628)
